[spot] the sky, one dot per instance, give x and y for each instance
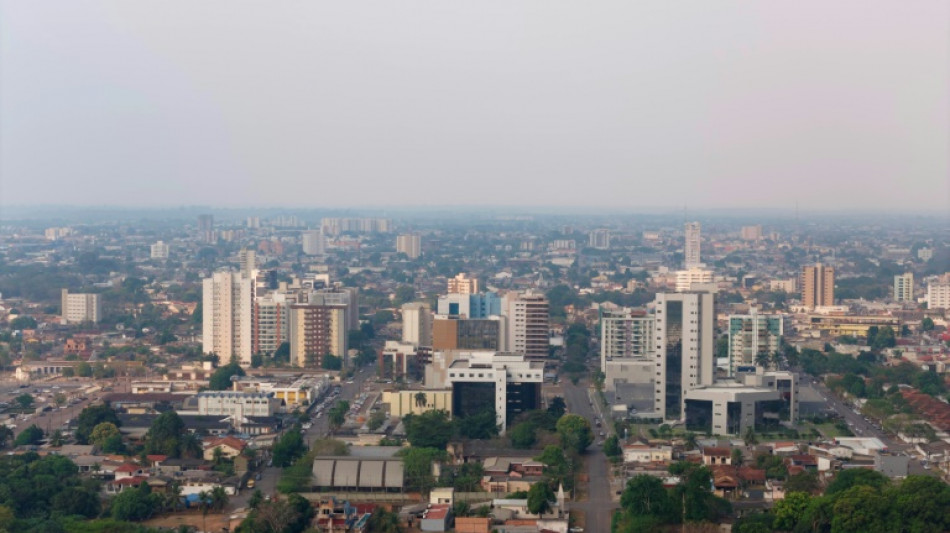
(619, 104)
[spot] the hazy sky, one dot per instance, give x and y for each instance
(709, 103)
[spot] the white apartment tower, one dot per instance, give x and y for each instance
(625, 334)
(684, 351)
(417, 324)
(904, 287)
(599, 239)
(227, 303)
(159, 250)
(528, 324)
(248, 260)
(314, 243)
(462, 284)
(938, 292)
(82, 307)
(691, 248)
(409, 244)
(752, 338)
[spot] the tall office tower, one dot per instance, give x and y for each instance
(938, 292)
(455, 333)
(248, 260)
(462, 284)
(159, 250)
(625, 334)
(528, 324)
(599, 239)
(691, 248)
(317, 330)
(685, 349)
(753, 337)
(314, 243)
(228, 300)
(409, 244)
(82, 307)
(271, 322)
(417, 324)
(904, 287)
(481, 305)
(206, 228)
(751, 233)
(818, 286)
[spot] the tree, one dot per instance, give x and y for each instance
(257, 497)
(749, 436)
(575, 433)
(383, 521)
(645, 495)
(92, 416)
(431, 429)
(540, 496)
(331, 362)
(288, 448)
(25, 400)
(862, 509)
(57, 439)
(135, 504)
(806, 482)
(927, 324)
(417, 465)
(23, 322)
(482, 425)
(404, 294)
(736, 456)
(221, 379)
(84, 370)
(103, 432)
(853, 477)
(557, 407)
(690, 440)
(69, 372)
(219, 498)
(612, 447)
(30, 435)
(164, 435)
(522, 436)
(921, 502)
(790, 510)
(6, 434)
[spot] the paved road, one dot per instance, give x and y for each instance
(50, 421)
(599, 506)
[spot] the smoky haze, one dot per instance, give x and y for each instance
(833, 105)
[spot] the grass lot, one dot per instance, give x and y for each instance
(829, 430)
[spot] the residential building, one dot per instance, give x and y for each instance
(417, 324)
(237, 404)
(248, 262)
(818, 286)
(925, 254)
(751, 233)
(206, 228)
(784, 285)
(904, 287)
(625, 334)
(227, 311)
(159, 250)
(271, 322)
(527, 316)
(509, 383)
(336, 226)
(409, 244)
(478, 305)
(81, 307)
(691, 249)
(402, 361)
(686, 280)
(938, 292)
(462, 284)
(753, 338)
(599, 239)
(317, 330)
(313, 242)
(684, 350)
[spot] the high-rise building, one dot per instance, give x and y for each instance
(904, 287)
(481, 305)
(751, 233)
(818, 286)
(314, 243)
(753, 337)
(686, 279)
(625, 334)
(409, 244)
(81, 307)
(317, 330)
(528, 328)
(248, 261)
(938, 292)
(271, 321)
(462, 284)
(253, 222)
(228, 299)
(509, 384)
(684, 350)
(417, 324)
(159, 250)
(206, 228)
(691, 249)
(455, 333)
(599, 239)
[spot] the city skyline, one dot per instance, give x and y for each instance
(622, 106)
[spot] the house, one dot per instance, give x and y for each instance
(230, 447)
(436, 518)
(472, 525)
(130, 470)
(714, 455)
(645, 453)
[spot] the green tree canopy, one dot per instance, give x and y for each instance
(431, 429)
(540, 496)
(165, 435)
(92, 416)
(221, 379)
(575, 433)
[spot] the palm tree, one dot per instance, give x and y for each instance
(750, 437)
(204, 500)
(218, 455)
(172, 497)
(190, 445)
(762, 359)
(690, 440)
(219, 498)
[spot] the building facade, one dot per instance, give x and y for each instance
(599, 239)
(271, 323)
(417, 324)
(691, 249)
(684, 351)
(753, 338)
(508, 383)
(938, 293)
(818, 286)
(527, 316)
(159, 250)
(227, 301)
(625, 334)
(81, 307)
(686, 279)
(316, 331)
(237, 404)
(462, 284)
(904, 287)
(480, 305)
(409, 244)
(313, 242)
